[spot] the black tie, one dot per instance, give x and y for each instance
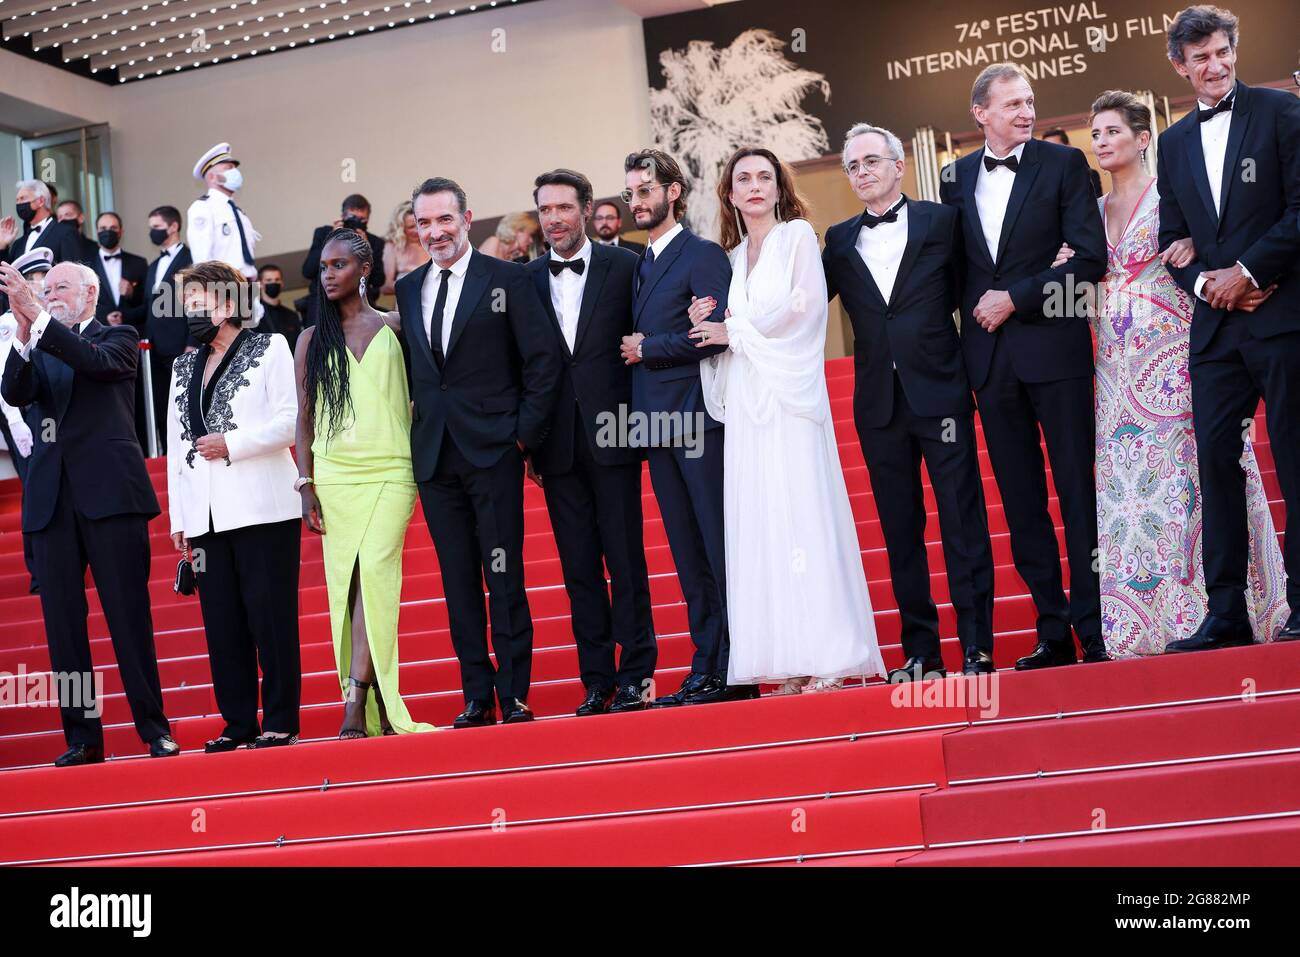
(1010, 162)
(559, 265)
(644, 270)
(871, 221)
(1223, 106)
(435, 326)
(243, 239)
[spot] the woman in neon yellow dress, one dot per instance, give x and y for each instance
(358, 491)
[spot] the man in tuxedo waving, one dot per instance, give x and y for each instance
(484, 370)
(894, 268)
(1229, 177)
(1028, 348)
(684, 441)
(593, 485)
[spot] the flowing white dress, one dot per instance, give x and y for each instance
(797, 601)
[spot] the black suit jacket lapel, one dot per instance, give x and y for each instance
(849, 250)
(918, 224)
(472, 288)
(599, 269)
(542, 281)
(1196, 159)
(1024, 182)
(1239, 123)
(969, 178)
(661, 265)
(413, 317)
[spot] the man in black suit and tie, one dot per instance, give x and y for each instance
(1229, 178)
(484, 373)
(1028, 348)
(159, 315)
(70, 211)
(88, 499)
(894, 268)
(668, 414)
(121, 274)
(606, 223)
(593, 483)
(39, 227)
(355, 214)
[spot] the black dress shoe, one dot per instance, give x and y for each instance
(629, 698)
(978, 663)
(222, 744)
(692, 684)
(1048, 654)
(1291, 630)
(515, 711)
(1094, 650)
(716, 689)
(917, 668)
(596, 702)
(1214, 632)
(477, 714)
(164, 746)
(79, 754)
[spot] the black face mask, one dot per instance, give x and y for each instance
(201, 327)
(25, 212)
(272, 289)
(109, 238)
(157, 236)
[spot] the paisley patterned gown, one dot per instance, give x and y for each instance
(1148, 488)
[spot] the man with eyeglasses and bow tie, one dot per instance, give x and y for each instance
(894, 267)
(1028, 348)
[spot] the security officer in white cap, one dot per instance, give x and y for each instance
(218, 229)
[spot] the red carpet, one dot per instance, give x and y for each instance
(1179, 760)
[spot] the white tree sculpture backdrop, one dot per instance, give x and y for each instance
(718, 100)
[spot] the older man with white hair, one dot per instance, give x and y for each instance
(88, 499)
(40, 229)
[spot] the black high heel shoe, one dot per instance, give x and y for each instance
(223, 744)
(351, 734)
(273, 741)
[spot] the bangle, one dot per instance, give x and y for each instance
(303, 480)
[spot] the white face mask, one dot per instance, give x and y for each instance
(232, 179)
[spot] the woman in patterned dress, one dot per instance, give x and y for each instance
(1148, 487)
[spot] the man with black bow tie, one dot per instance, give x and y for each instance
(121, 274)
(159, 315)
(592, 484)
(894, 268)
(1028, 348)
(88, 500)
(39, 227)
(1229, 177)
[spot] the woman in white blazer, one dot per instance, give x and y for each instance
(230, 485)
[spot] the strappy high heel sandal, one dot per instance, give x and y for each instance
(349, 734)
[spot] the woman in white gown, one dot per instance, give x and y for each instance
(797, 604)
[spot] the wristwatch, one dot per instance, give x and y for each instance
(638, 349)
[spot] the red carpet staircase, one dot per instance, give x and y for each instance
(1192, 760)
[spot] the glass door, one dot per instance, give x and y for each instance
(77, 163)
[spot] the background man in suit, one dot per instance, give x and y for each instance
(1028, 347)
(606, 223)
(89, 499)
(39, 227)
(895, 270)
(684, 442)
(70, 211)
(355, 214)
(1229, 177)
(276, 317)
(586, 289)
(484, 370)
(1058, 135)
(159, 315)
(122, 274)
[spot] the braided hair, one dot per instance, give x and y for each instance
(327, 358)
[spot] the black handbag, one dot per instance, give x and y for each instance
(186, 581)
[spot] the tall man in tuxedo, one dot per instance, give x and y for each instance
(894, 268)
(593, 484)
(684, 442)
(484, 372)
(1229, 177)
(159, 315)
(40, 228)
(607, 222)
(1028, 348)
(88, 499)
